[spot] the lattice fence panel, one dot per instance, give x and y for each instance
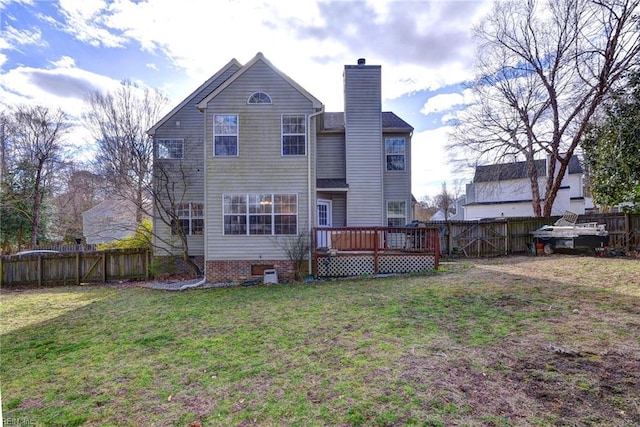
(406, 264)
(342, 266)
(356, 265)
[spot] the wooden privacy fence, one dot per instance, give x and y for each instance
(501, 236)
(68, 268)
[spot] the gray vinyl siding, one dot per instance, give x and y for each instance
(363, 134)
(191, 129)
(331, 161)
(259, 167)
(397, 184)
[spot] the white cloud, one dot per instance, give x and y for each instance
(60, 87)
(446, 101)
(64, 87)
(13, 38)
(86, 21)
(64, 62)
(430, 163)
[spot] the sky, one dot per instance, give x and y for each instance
(54, 52)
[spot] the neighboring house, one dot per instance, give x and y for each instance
(258, 161)
(456, 212)
(504, 190)
(110, 220)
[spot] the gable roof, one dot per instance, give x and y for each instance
(115, 204)
(390, 122)
(195, 93)
(518, 170)
(259, 57)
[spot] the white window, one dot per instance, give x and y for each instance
(285, 214)
(260, 214)
(191, 218)
(394, 149)
(259, 98)
(294, 134)
(225, 135)
(235, 209)
(170, 148)
(396, 214)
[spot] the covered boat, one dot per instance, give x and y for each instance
(566, 233)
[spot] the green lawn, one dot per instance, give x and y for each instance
(509, 341)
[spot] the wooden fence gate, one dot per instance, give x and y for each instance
(475, 238)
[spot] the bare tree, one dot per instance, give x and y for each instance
(427, 209)
(81, 190)
(169, 195)
(543, 70)
(445, 201)
(119, 121)
(37, 150)
(158, 188)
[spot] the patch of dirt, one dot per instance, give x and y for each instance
(30, 403)
(528, 386)
(592, 389)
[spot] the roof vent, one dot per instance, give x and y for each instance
(361, 62)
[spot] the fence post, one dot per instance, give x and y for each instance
(78, 269)
(147, 266)
(436, 245)
(627, 232)
(104, 266)
(376, 243)
(40, 272)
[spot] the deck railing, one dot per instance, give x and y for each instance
(387, 239)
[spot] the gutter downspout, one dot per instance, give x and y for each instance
(309, 207)
(205, 198)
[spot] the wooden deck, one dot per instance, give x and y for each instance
(356, 251)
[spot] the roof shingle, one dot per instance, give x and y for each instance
(335, 121)
(518, 170)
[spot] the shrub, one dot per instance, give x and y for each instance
(141, 238)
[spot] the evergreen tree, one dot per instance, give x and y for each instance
(612, 148)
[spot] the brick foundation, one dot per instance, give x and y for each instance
(238, 271)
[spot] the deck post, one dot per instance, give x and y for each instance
(376, 244)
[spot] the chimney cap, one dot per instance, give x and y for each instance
(361, 61)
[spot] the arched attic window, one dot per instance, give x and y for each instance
(259, 98)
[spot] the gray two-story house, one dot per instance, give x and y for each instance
(254, 159)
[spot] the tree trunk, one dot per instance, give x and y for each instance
(37, 201)
(535, 188)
